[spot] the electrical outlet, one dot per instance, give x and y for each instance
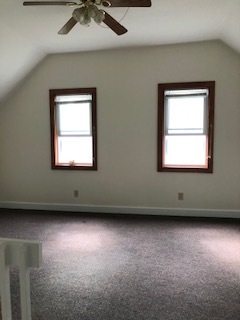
(75, 193)
(180, 196)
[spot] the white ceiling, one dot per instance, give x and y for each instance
(28, 34)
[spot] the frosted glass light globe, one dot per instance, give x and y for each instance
(100, 17)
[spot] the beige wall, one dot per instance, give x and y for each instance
(126, 82)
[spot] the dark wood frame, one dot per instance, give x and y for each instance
(210, 85)
(57, 92)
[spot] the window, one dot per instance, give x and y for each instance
(73, 129)
(185, 127)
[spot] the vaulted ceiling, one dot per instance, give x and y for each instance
(28, 34)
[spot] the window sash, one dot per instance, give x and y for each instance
(62, 133)
(187, 130)
(185, 151)
(75, 150)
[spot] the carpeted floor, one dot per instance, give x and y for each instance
(100, 267)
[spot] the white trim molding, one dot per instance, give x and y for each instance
(178, 212)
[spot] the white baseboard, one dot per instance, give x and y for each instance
(211, 213)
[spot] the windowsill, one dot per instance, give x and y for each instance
(75, 167)
(186, 169)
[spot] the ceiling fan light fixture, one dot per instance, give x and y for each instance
(100, 17)
(79, 14)
(92, 11)
(84, 14)
(86, 20)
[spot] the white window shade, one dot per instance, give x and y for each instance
(186, 112)
(73, 98)
(74, 119)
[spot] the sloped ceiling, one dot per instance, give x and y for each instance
(28, 34)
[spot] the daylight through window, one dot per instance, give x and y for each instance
(185, 127)
(73, 128)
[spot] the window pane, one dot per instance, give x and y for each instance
(185, 150)
(73, 128)
(74, 119)
(77, 149)
(185, 114)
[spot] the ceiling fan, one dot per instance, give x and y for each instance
(88, 9)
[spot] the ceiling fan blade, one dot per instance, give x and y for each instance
(49, 3)
(130, 3)
(113, 24)
(68, 26)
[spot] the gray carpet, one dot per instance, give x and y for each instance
(99, 267)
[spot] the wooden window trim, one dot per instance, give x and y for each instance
(210, 85)
(56, 92)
